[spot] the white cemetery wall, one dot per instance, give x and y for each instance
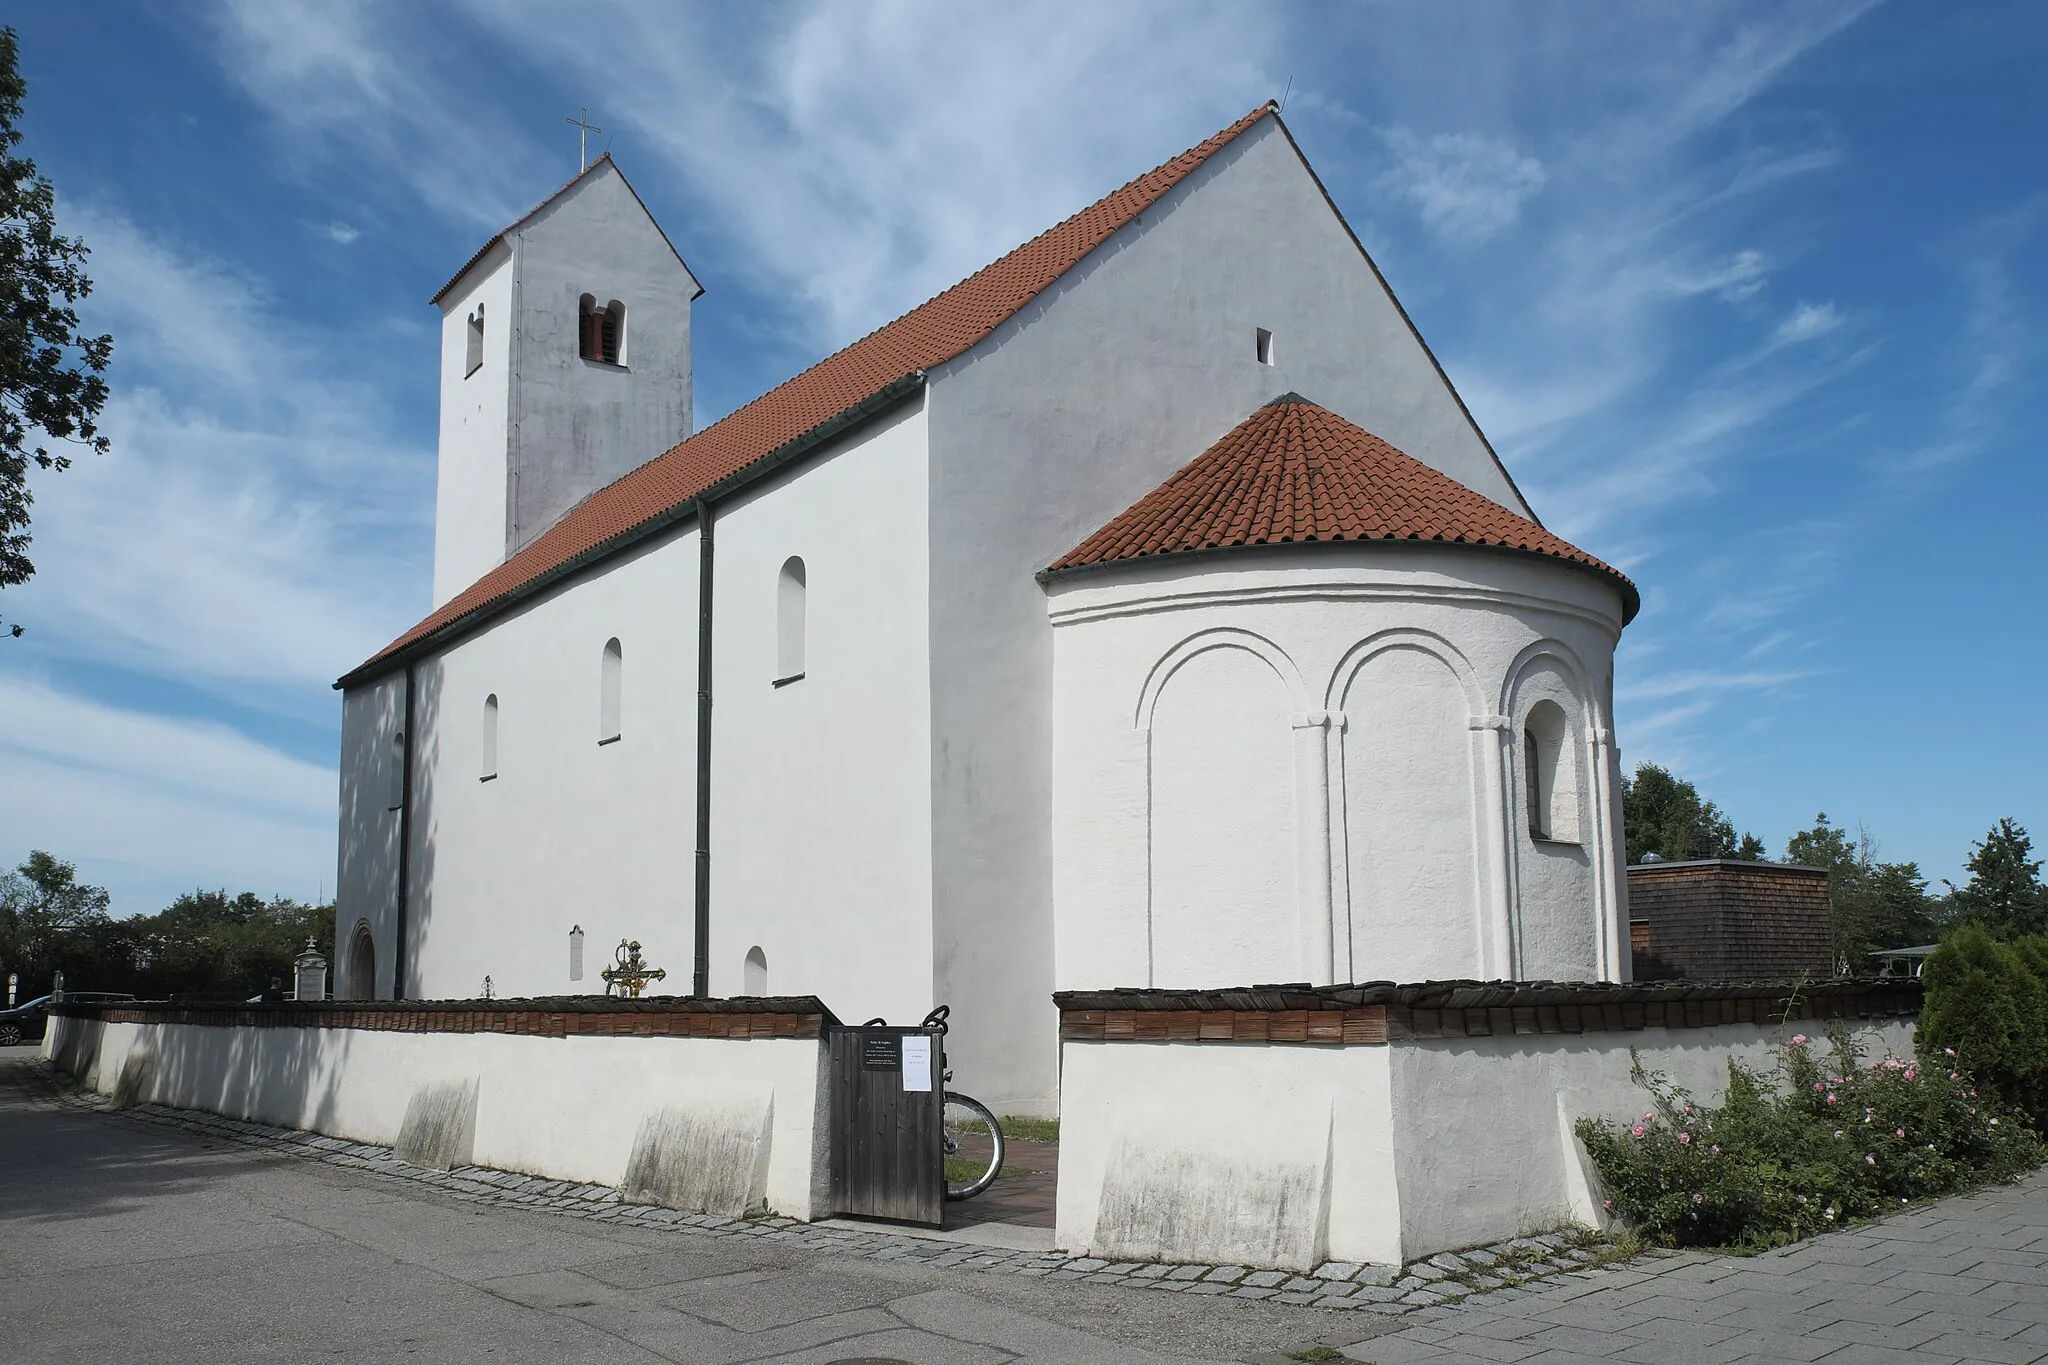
(1236, 1154)
(1483, 1126)
(1291, 766)
(716, 1125)
(1286, 1154)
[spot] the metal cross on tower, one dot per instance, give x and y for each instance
(584, 128)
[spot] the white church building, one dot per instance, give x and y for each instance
(1145, 610)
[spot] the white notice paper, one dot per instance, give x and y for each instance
(917, 1061)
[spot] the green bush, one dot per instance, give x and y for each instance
(1839, 1141)
(1988, 1001)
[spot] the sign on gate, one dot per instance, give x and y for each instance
(887, 1106)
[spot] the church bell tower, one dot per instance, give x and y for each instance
(565, 363)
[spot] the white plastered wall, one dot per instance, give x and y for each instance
(472, 474)
(821, 807)
(1121, 373)
(570, 832)
(366, 878)
(1375, 677)
(563, 1108)
(1233, 1153)
(1287, 1155)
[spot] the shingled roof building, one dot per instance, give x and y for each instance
(1145, 610)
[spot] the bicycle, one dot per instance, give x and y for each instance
(971, 1139)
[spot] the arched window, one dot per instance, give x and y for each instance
(475, 359)
(790, 589)
(610, 679)
(359, 973)
(1550, 774)
(489, 740)
(601, 332)
(396, 773)
(756, 971)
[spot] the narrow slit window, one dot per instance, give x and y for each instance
(396, 796)
(1265, 347)
(756, 971)
(475, 358)
(790, 591)
(1532, 761)
(610, 681)
(575, 952)
(488, 766)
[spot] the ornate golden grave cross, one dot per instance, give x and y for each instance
(632, 974)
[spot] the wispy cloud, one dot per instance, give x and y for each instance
(1805, 322)
(1466, 186)
(149, 805)
(243, 531)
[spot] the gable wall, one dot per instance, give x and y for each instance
(1126, 370)
(578, 424)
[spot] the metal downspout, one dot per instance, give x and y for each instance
(700, 977)
(398, 963)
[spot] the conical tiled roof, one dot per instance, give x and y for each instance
(1294, 473)
(927, 336)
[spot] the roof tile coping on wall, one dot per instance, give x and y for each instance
(1751, 864)
(1381, 1011)
(793, 1016)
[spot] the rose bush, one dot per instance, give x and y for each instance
(1827, 1140)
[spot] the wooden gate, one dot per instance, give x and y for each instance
(888, 1100)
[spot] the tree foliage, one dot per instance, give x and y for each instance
(1871, 904)
(1988, 1002)
(1667, 816)
(2004, 892)
(51, 385)
(206, 942)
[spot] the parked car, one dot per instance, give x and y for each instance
(25, 1022)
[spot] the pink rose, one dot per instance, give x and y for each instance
(1799, 1040)
(1699, 1199)
(1684, 1138)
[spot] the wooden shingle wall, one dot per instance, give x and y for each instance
(1724, 920)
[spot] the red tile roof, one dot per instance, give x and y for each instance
(1294, 472)
(929, 335)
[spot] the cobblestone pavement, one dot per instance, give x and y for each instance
(1337, 1285)
(1965, 1279)
(105, 1216)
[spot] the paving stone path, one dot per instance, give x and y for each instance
(1337, 1285)
(1965, 1279)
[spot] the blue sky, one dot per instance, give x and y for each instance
(1749, 297)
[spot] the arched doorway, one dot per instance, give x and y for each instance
(361, 976)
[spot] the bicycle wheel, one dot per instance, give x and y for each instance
(974, 1147)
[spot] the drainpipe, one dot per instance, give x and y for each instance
(398, 963)
(700, 978)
